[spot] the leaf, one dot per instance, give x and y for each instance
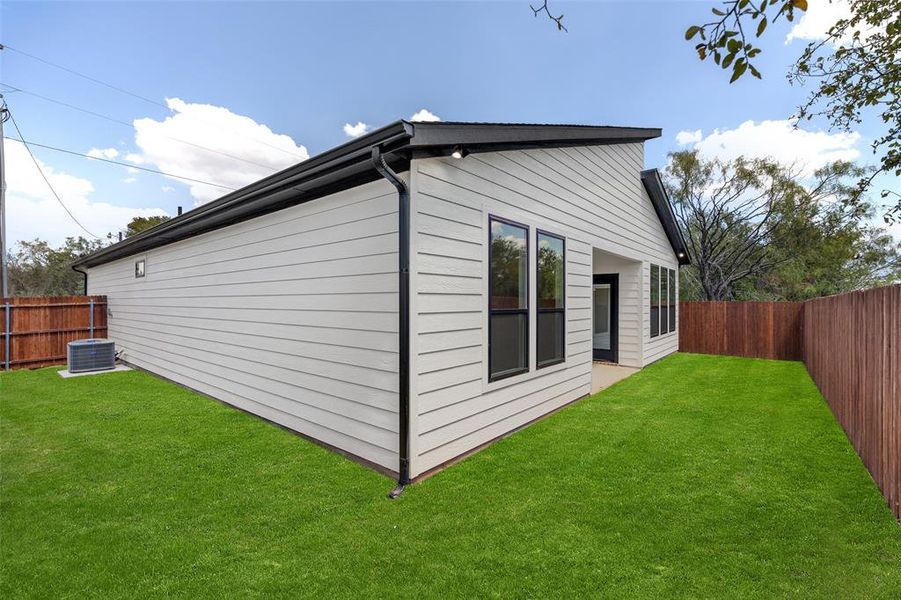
(727, 61)
(761, 27)
(691, 32)
(800, 4)
(738, 71)
(754, 71)
(718, 12)
(733, 46)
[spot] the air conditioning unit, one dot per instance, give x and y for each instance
(94, 354)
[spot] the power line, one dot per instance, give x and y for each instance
(134, 95)
(131, 126)
(116, 162)
(41, 171)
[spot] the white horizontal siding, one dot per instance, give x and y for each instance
(593, 196)
(291, 316)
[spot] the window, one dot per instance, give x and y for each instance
(664, 294)
(655, 300)
(663, 300)
(139, 268)
(551, 282)
(672, 299)
(508, 308)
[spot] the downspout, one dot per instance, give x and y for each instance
(85, 275)
(403, 315)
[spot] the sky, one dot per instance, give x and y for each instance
(225, 93)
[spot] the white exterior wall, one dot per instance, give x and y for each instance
(291, 316)
(591, 195)
(631, 314)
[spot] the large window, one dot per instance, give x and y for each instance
(655, 300)
(508, 327)
(551, 300)
(663, 300)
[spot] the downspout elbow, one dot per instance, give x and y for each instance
(85, 275)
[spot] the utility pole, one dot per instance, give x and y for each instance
(4, 269)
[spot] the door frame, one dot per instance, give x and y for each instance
(612, 279)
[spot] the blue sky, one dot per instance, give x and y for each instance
(306, 69)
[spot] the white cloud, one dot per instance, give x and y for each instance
(688, 137)
(819, 17)
(355, 130)
(109, 153)
(780, 140)
(424, 115)
(129, 180)
(254, 150)
(35, 213)
(167, 189)
(134, 158)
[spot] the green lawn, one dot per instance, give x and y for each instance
(699, 476)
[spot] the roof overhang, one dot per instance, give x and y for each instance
(653, 184)
(350, 165)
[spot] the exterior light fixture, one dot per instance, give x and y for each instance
(459, 152)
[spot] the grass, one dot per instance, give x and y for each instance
(698, 477)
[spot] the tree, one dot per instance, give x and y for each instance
(857, 67)
(37, 269)
(755, 231)
(139, 224)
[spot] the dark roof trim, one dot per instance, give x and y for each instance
(660, 199)
(349, 165)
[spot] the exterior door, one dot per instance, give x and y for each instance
(605, 317)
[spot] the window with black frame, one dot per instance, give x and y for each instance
(663, 300)
(551, 334)
(672, 299)
(508, 309)
(655, 301)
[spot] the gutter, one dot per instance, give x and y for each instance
(403, 313)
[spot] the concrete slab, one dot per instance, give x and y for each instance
(119, 368)
(603, 375)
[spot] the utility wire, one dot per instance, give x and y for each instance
(116, 162)
(131, 126)
(41, 171)
(134, 95)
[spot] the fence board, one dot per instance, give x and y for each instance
(753, 329)
(41, 327)
(852, 350)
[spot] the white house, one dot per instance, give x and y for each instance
(411, 295)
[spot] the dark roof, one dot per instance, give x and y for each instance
(350, 165)
(660, 199)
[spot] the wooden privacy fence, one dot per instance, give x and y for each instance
(852, 350)
(851, 346)
(36, 330)
(755, 329)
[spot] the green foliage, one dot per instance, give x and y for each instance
(699, 477)
(756, 230)
(856, 69)
(139, 224)
(725, 40)
(37, 269)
